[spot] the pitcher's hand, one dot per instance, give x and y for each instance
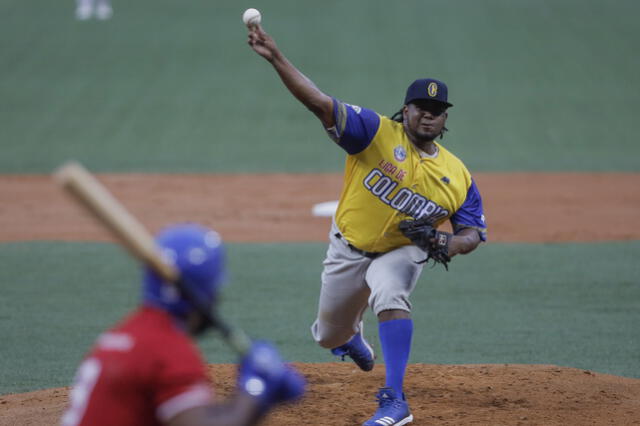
(262, 43)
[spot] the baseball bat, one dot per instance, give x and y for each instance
(93, 196)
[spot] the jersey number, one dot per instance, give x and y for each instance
(83, 384)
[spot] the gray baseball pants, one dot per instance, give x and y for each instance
(351, 282)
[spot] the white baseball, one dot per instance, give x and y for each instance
(251, 17)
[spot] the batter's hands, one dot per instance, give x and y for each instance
(435, 243)
(264, 376)
(262, 43)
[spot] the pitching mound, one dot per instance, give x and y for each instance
(340, 395)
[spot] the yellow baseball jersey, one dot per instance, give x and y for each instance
(387, 179)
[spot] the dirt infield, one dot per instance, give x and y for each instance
(526, 207)
(522, 207)
(340, 395)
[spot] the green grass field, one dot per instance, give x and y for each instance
(537, 85)
(171, 86)
(508, 303)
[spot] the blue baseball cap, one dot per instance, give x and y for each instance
(428, 88)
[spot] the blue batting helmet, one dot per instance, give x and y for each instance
(198, 255)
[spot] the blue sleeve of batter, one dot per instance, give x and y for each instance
(471, 214)
(355, 126)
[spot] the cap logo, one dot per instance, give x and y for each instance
(432, 89)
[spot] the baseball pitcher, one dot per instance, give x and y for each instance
(400, 185)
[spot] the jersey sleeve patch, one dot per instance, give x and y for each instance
(355, 126)
(471, 213)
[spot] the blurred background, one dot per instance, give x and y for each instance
(537, 85)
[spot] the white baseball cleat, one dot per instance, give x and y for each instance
(84, 12)
(104, 11)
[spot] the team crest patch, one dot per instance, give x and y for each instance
(432, 89)
(400, 153)
(356, 108)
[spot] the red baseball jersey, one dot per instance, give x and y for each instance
(142, 372)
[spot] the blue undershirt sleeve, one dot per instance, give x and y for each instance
(471, 213)
(355, 126)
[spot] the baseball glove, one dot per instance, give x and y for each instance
(423, 234)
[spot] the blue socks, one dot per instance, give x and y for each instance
(395, 338)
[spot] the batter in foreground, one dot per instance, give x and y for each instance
(146, 371)
(399, 186)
